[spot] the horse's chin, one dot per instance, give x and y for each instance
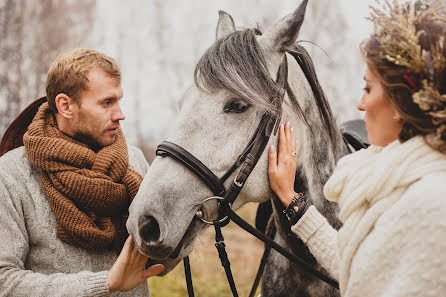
(169, 264)
(183, 249)
(171, 261)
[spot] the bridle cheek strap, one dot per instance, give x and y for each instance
(246, 162)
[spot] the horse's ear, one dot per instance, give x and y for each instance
(225, 24)
(285, 32)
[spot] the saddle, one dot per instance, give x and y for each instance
(355, 135)
(13, 136)
(355, 138)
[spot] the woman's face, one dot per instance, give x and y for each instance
(382, 121)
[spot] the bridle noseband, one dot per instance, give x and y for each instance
(245, 162)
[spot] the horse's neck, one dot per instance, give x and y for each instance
(314, 173)
(322, 152)
(317, 159)
(318, 154)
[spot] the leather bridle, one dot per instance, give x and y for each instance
(246, 162)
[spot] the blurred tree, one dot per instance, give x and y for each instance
(326, 26)
(157, 44)
(32, 33)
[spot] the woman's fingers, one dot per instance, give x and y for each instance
(288, 133)
(293, 141)
(282, 165)
(273, 169)
(282, 139)
(287, 142)
(272, 160)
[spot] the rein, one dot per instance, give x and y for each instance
(246, 162)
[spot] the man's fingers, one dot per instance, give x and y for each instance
(127, 245)
(153, 270)
(130, 242)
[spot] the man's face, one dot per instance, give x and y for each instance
(97, 114)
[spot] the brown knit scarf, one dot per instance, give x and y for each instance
(89, 192)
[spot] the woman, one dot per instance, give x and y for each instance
(391, 196)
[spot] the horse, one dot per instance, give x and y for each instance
(234, 87)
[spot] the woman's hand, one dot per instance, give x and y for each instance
(128, 271)
(282, 167)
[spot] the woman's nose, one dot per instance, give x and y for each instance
(361, 104)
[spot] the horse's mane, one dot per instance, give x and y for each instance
(306, 63)
(236, 63)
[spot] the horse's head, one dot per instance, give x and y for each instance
(234, 86)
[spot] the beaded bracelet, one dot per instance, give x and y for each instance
(296, 209)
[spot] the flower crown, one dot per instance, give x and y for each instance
(398, 39)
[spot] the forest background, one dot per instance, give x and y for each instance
(157, 44)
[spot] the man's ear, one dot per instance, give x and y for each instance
(64, 105)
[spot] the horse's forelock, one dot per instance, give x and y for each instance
(236, 63)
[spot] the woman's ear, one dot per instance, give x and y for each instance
(64, 105)
(396, 116)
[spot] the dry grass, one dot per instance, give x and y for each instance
(208, 275)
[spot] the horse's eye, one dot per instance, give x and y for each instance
(236, 106)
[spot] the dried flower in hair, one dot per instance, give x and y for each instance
(413, 79)
(396, 33)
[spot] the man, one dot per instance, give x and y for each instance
(64, 195)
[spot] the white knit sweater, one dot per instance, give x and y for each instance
(393, 242)
(33, 261)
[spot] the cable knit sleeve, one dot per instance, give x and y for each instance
(321, 239)
(15, 279)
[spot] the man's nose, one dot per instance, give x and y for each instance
(118, 115)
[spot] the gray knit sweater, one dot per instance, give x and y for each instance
(33, 261)
(392, 202)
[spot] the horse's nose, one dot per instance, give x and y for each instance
(149, 230)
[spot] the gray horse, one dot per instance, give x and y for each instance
(234, 84)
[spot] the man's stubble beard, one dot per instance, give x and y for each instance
(88, 139)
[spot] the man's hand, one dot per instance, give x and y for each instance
(128, 271)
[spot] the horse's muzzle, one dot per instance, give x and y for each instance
(151, 241)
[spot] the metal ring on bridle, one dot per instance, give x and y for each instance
(199, 214)
(293, 154)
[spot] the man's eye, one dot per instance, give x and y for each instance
(236, 106)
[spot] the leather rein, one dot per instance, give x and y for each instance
(245, 162)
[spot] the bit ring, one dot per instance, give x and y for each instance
(199, 215)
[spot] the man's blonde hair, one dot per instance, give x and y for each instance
(68, 73)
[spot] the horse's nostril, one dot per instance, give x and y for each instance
(149, 229)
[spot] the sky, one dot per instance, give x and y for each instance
(357, 11)
(158, 43)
